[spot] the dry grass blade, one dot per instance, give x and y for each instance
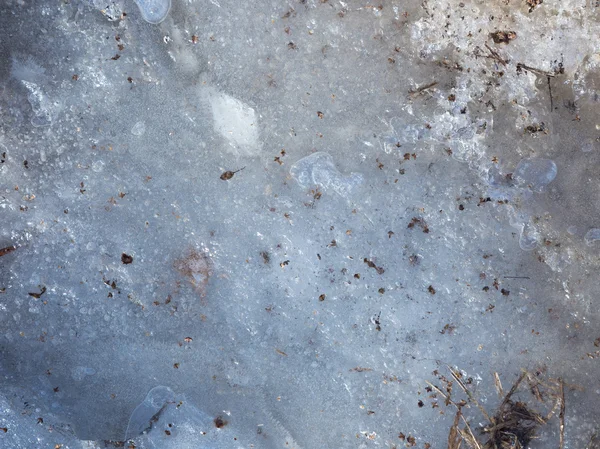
(444, 395)
(414, 92)
(472, 436)
(514, 424)
(594, 442)
(498, 385)
(469, 438)
(454, 437)
(469, 394)
(513, 388)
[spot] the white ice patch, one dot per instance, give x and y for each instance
(40, 104)
(236, 122)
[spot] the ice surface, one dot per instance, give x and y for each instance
(154, 11)
(409, 192)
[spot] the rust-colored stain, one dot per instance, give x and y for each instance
(197, 269)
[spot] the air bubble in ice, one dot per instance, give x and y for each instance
(80, 372)
(138, 129)
(537, 173)
(154, 11)
(592, 236)
(39, 104)
(319, 169)
(529, 237)
(142, 417)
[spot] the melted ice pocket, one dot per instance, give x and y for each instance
(154, 11)
(537, 173)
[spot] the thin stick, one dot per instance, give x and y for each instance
(521, 66)
(495, 55)
(414, 92)
(471, 432)
(562, 414)
(550, 90)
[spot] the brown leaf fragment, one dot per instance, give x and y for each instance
(454, 437)
(38, 295)
(503, 37)
(220, 422)
(8, 249)
(371, 264)
(226, 176)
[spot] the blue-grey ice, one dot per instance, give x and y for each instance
(399, 210)
(154, 11)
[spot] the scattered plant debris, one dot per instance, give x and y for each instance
(419, 222)
(533, 3)
(515, 423)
